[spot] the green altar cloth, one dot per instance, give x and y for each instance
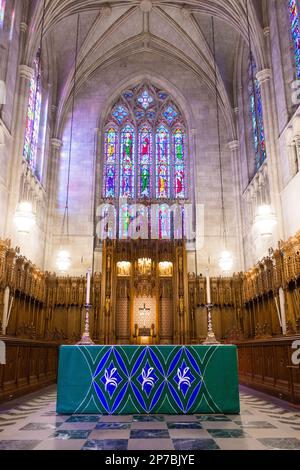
(148, 379)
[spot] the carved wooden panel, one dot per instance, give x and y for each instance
(266, 365)
(30, 365)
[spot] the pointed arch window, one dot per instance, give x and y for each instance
(179, 163)
(295, 32)
(33, 116)
(257, 120)
(144, 153)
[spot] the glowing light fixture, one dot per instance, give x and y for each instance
(63, 261)
(265, 220)
(226, 261)
(24, 217)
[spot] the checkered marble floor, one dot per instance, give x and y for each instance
(264, 423)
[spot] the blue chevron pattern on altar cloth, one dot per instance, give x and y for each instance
(147, 379)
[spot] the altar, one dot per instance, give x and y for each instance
(148, 379)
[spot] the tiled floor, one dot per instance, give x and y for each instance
(264, 423)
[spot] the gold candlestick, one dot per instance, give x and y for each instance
(86, 339)
(211, 339)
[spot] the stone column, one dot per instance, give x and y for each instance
(15, 170)
(296, 154)
(234, 147)
(293, 156)
(270, 126)
(296, 132)
(53, 165)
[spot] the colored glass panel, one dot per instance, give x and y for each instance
(127, 162)
(170, 114)
(33, 117)
(128, 95)
(120, 113)
(110, 177)
(125, 219)
(145, 152)
(162, 163)
(139, 114)
(151, 115)
(164, 222)
(179, 183)
(110, 151)
(2, 12)
(256, 117)
(145, 99)
(162, 95)
(295, 30)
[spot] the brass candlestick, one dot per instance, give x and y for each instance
(211, 339)
(86, 339)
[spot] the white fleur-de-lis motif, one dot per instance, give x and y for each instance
(110, 379)
(182, 378)
(146, 378)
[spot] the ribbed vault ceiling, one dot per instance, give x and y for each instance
(113, 30)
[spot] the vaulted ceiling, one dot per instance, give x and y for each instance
(115, 30)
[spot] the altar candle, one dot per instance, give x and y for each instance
(208, 298)
(88, 286)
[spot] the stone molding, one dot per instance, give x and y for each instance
(56, 143)
(26, 72)
(234, 145)
(264, 75)
(146, 6)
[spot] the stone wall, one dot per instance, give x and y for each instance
(188, 77)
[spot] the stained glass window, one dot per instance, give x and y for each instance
(145, 156)
(33, 116)
(127, 162)
(162, 140)
(145, 153)
(125, 218)
(2, 12)
(179, 182)
(256, 117)
(164, 222)
(110, 172)
(295, 30)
